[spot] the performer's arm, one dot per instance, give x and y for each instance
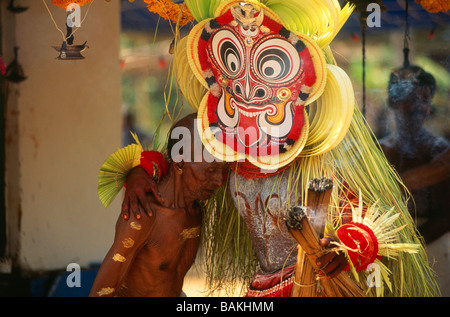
(135, 202)
(432, 173)
(141, 181)
(129, 238)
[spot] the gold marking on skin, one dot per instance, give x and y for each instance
(135, 225)
(119, 258)
(128, 243)
(190, 233)
(105, 291)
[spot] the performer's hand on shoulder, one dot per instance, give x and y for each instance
(136, 201)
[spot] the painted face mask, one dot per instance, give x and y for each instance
(259, 77)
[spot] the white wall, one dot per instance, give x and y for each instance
(62, 123)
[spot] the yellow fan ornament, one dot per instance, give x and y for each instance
(113, 172)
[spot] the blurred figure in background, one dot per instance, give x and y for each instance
(422, 160)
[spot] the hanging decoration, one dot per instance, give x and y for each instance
(14, 72)
(70, 52)
(64, 3)
(406, 37)
(15, 9)
(113, 173)
(404, 78)
(177, 13)
(434, 6)
(67, 50)
(361, 7)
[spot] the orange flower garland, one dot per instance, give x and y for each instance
(435, 6)
(170, 11)
(64, 3)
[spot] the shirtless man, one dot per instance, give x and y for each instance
(421, 158)
(272, 242)
(150, 256)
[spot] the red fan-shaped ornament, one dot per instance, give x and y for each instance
(361, 243)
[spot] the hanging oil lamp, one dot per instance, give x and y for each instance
(70, 52)
(67, 50)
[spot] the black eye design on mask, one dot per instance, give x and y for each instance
(276, 61)
(227, 53)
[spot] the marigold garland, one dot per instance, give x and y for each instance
(64, 3)
(434, 6)
(170, 11)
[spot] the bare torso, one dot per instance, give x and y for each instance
(151, 256)
(161, 264)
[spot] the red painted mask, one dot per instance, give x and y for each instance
(259, 76)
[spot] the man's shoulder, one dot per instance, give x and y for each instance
(440, 145)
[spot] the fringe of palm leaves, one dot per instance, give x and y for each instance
(226, 250)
